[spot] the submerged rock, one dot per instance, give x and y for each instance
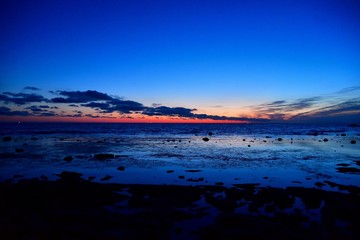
(195, 179)
(121, 168)
(348, 170)
(104, 156)
(7, 139)
(107, 177)
(90, 178)
(352, 141)
(193, 170)
(68, 159)
(69, 177)
(19, 150)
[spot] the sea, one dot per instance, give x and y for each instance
(276, 155)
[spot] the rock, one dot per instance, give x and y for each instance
(104, 156)
(44, 178)
(69, 177)
(19, 150)
(352, 141)
(249, 145)
(107, 177)
(348, 170)
(279, 139)
(68, 159)
(210, 133)
(325, 140)
(169, 171)
(343, 164)
(121, 168)
(320, 184)
(193, 170)
(7, 139)
(181, 177)
(343, 134)
(205, 139)
(90, 178)
(195, 179)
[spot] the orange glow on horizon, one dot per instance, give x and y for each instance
(113, 120)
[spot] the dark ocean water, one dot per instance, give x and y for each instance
(164, 153)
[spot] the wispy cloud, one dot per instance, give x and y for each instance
(341, 103)
(31, 88)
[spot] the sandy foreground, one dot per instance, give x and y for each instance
(74, 208)
(180, 186)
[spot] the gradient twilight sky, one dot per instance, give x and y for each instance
(240, 59)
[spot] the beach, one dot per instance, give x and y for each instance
(179, 181)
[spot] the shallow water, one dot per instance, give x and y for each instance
(163, 153)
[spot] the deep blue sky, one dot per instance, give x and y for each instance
(200, 54)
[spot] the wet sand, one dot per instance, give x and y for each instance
(180, 185)
(74, 208)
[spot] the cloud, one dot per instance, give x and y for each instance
(281, 109)
(21, 98)
(31, 88)
(80, 97)
(188, 113)
(168, 111)
(349, 107)
(116, 105)
(349, 89)
(47, 114)
(5, 111)
(345, 103)
(36, 109)
(125, 106)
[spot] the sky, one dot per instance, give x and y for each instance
(180, 61)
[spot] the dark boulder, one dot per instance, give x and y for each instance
(7, 139)
(104, 156)
(121, 168)
(68, 159)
